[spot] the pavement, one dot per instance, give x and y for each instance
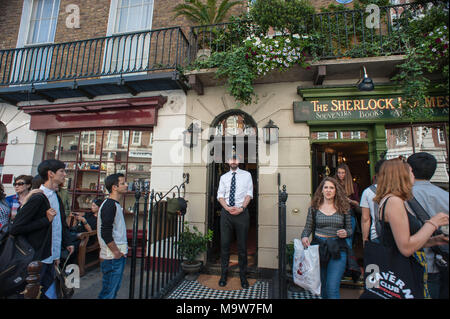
(205, 287)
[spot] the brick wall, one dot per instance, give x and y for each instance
(11, 12)
(94, 19)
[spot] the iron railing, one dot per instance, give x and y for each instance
(348, 33)
(154, 244)
(281, 292)
(127, 53)
(331, 35)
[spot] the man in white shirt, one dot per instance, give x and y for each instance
(112, 236)
(234, 194)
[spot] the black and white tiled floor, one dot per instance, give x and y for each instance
(194, 290)
(260, 290)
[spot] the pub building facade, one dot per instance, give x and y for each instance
(102, 120)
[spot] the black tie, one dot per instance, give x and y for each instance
(233, 189)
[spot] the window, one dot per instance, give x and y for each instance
(322, 135)
(401, 136)
(90, 156)
(407, 140)
(128, 52)
(328, 135)
(125, 137)
(136, 138)
(441, 136)
(88, 140)
(133, 15)
(38, 26)
(43, 21)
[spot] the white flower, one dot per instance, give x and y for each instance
(288, 41)
(434, 50)
(297, 36)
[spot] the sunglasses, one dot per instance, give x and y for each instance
(19, 184)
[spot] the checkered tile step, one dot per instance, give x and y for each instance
(302, 294)
(193, 290)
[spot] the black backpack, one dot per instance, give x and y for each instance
(15, 255)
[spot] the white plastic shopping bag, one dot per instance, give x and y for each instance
(306, 267)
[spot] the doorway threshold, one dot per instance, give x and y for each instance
(215, 269)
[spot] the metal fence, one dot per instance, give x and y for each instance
(346, 33)
(281, 292)
(155, 258)
(144, 51)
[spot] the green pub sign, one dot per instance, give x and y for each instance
(373, 109)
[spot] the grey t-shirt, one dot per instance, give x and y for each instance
(434, 200)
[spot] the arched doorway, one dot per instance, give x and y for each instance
(233, 130)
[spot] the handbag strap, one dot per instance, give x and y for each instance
(381, 216)
(314, 216)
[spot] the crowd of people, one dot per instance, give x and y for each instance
(387, 212)
(37, 212)
(387, 217)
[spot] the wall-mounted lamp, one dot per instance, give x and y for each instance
(270, 133)
(190, 136)
(366, 84)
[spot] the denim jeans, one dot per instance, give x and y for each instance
(434, 285)
(349, 240)
(112, 270)
(331, 275)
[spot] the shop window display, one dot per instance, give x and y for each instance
(91, 155)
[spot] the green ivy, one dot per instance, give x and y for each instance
(292, 16)
(426, 39)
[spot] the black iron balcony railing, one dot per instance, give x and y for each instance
(349, 33)
(154, 50)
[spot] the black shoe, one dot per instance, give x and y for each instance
(244, 283)
(223, 280)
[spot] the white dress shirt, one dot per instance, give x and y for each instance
(244, 187)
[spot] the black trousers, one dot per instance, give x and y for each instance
(228, 224)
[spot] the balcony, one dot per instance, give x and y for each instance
(125, 63)
(339, 44)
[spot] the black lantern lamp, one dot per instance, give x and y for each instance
(190, 136)
(366, 83)
(270, 133)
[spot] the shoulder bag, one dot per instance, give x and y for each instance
(387, 273)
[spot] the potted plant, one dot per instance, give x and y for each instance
(205, 13)
(190, 244)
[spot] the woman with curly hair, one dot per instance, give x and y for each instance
(329, 223)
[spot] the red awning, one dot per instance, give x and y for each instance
(96, 114)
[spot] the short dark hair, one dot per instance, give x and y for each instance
(26, 178)
(423, 165)
(36, 182)
(49, 165)
(112, 180)
(378, 165)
